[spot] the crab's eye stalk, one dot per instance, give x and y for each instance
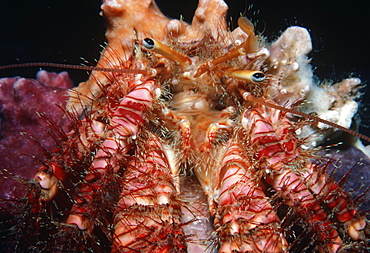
(253, 76)
(148, 43)
(258, 77)
(159, 48)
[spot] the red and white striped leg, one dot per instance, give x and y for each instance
(276, 154)
(127, 117)
(245, 221)
(148, 213)
(332, 196)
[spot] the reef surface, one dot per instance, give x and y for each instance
(31, 109)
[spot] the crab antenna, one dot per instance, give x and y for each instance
(70, 66)
(247, 96)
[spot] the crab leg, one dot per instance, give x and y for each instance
(275, 150)
(149, 210)
(245, 221)
(125, 123)
(50, 178)
(336, 199)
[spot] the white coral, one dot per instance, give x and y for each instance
(295, 82)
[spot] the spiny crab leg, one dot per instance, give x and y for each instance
(335, 198)
(274, 151)
(125, 123)
(149, 210)
(245, 221)
(51, 177)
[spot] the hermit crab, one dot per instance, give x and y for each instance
(194, 138)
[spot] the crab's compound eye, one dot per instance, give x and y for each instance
(254, 76)
(258, 77)
(148, 43)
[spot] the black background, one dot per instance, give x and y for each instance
(63, 31)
